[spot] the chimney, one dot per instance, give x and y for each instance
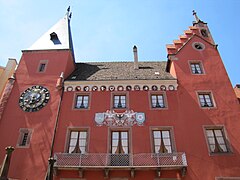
(135, 57)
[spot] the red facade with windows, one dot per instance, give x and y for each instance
(122, 120)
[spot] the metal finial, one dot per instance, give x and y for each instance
(68, 9)
(70, 15)
(195, 15)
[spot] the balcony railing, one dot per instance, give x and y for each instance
(98, 160)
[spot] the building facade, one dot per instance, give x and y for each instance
(6, 73)
(162, 120)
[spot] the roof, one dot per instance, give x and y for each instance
(57, 37)
(99, 71)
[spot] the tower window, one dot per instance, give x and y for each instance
(42, 67)
(196, 68)
(216, 140)
(198, 46)
(204, 32)
(205, 99)
(24, 137)
(54, 38)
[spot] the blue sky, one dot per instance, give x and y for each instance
(106, 30)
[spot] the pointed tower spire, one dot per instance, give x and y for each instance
(57, 37)
(195, 15)
(197, 20)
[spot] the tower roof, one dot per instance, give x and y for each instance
(57, 37)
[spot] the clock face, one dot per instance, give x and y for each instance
(34, 98)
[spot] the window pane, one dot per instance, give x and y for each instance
(211, 140)
(82, 143)
(83, 135)
(74, 134)
(212, 147)
(156, 134)
(209, 133)
(157, 142)
(169, 149)
(83, 150)
(114, 142)
(220, 140)
(124, 135)
(165, 134)
(224, 147)
(166, 142)
(73, 142)
(125, 149)
(114, 150)
(156, 149)
(218, 133)
(125, 142)
(115, 135)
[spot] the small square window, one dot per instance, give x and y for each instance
(119, 101)
(205, 100)
(216, 139)
(24, 138)
(82, 102)
(77, 141)
(158, 101)
(196, 68)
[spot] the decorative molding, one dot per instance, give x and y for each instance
(124, 86)
(127, 118)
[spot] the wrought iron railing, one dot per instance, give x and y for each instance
(100, 160)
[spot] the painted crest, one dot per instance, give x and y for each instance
(140, 118)
(99, 118)
(127, 118)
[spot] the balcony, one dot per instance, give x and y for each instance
(98, 160)
(132, 162)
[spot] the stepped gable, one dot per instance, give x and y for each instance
(179, 43)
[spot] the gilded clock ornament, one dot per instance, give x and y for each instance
(34, 98)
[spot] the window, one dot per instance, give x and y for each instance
(162, 141)
(24, 138)
(157, 101)
(196, 68)
(119, 148)
(119, 101)
(205, 99)
(216, 140)
(42, 67)
(82, 102)
(198, 46)
(204, 32)
(77, 142)
(119, 144)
